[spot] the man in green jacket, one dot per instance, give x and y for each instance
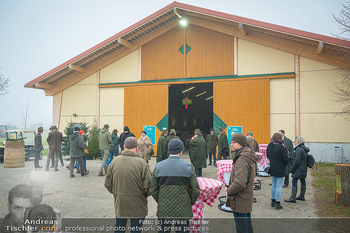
(172, 135)
(129, 179)
(175, 188)
(290, 150)
(38, 147)
(104, 144)
(198, 152)
(212, 143)
(161, 151)
(77, 147)
(223, 145)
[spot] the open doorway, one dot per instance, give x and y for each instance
(190, 107)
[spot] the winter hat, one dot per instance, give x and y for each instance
(172, 131)
(239, 138)
(81, 132)
(250, 132)
(175, 146)
(76, 129)
(126, 128)
(130, 143)
(250, 139)
(197, 131)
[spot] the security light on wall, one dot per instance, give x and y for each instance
(183, 22)
(75, 115)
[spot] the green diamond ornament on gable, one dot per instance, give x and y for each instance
(188, 48)
(186, 101)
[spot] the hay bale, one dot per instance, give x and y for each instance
(14, 154)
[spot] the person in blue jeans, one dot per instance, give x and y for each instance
(299, 170)
(240, 191)
(114, 151)
(278, 156)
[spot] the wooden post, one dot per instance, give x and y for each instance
(342, 194)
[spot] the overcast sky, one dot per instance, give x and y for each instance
(38, 35)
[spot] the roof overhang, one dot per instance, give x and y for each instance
(314, 46)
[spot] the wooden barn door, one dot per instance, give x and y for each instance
(145, 105)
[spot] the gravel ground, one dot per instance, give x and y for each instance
(86, 197)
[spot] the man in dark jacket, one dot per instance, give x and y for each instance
(299, 170)
(223, 145)
(114, 151)
(76, 151)
(241, 188)
(54, 140)
(161, 151)
(198, 152)
(38, 147)
(212, 143)
(174, 196)
(129, 179)
(290, 150)
(124, 136)
(172, 135)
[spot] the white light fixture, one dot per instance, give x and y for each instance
(187, 89)
(209, 98)
(183, 22)
(201, 94)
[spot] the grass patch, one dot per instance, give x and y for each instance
(45, 151)
(324, 196)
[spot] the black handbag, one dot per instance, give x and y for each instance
(267, 169)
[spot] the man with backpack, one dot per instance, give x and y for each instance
(299, 170)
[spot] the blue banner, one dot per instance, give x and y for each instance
(151, 133)
(233, 129)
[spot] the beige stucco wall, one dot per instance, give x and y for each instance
(258, 59)
(81, 99)
(125, 69)
(317, 110)
(282, 106)
(112, 108)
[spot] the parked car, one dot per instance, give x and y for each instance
(27, 135)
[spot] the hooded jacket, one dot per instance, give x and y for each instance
(240, 192)
(114, 147)
(104, 140)
(76, 145)
(277, 154)
(299, 168)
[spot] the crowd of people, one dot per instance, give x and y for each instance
(173, 183)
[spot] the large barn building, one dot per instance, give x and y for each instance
(236, 72)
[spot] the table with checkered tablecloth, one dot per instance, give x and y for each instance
(209, 191)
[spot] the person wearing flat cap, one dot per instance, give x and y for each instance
(198, 152)
(128, 179)
(212, 143)
(175, 188)
(240, 191)
(172, 135)
(223, 147)
(161, 151)
(38, 147)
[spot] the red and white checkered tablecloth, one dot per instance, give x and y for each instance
(209, 191)
(223, 166)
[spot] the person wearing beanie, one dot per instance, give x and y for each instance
(77, 146)
(128, 179)
(54, 140)
(212, 143)
(104, 144)
(223, 147)
(172, 135)
(114, 151)
(38, 147)
(124, 136)
(241, 186)
(198, 152)
(278, 156)
(161, 151)
(255, 146)
(174, 196)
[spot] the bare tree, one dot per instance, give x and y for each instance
(341, 93)
(4, 84)
(25, 116)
